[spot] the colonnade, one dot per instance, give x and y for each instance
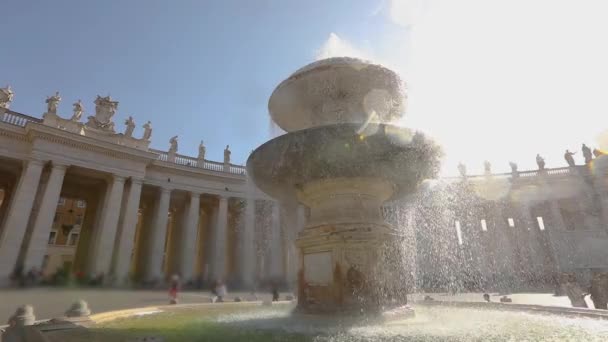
(110, 244)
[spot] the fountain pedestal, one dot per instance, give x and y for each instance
(338, 267)
(341, 248)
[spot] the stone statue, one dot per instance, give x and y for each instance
(130, 127)
(569, 158)
(78, 109)
(173, 143)
(462, 169)
(587, 154)
(597, 153)
(105, 108)
(6, 96)
(540, 161)
(487, 167)
(147, 131)
(201, 151)
(513, 167)
(52, 102)
(227, 154)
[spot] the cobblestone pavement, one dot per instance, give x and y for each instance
(53, 302)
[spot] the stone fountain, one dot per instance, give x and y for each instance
(343, 158)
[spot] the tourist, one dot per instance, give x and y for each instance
(220, 292)
(573, 290)
(173, 289)
(17, 277)
(275, 293)
(32, 276)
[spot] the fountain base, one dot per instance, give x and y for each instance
(346, 268)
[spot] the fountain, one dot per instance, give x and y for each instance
(343, 158)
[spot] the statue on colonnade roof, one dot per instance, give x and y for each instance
(52, 102)
(6, 96)
(78, 110)
(105, 108)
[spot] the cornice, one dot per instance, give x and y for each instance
(12, 132)
(38, 131)
(195, 171)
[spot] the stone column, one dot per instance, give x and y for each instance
(189, 234)
(276, 253)
(219, 260)
(108, 225)
(158, 235)
(127, 231)
(17, 219)
(44, 220)
(293, 218)
(248, 246)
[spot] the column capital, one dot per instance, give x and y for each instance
(195, 193)
(164, 190)
(36, 162)
(118, 178)
(136, 180)
(59, 166)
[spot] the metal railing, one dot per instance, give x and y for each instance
(17, 119)
(193, 162)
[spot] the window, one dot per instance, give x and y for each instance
(61, 201)
(73, 239)
(484, 225)
(81, 204)
(511, 222)
(458, 232)
(52, 237)
(541, 224)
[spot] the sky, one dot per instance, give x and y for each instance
(496, 80)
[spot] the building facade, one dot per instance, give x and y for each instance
(82, 196)
(517, 230)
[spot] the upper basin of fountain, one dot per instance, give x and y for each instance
(337, 90)
(384, 152)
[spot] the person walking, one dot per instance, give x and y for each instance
(173, 289)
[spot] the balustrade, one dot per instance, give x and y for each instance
(193, 162)
(17, 119)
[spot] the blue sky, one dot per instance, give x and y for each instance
(489, 79)
(197, 69)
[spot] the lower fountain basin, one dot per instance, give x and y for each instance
(394, 154)
(253, 322)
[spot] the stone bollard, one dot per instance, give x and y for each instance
(20, 327)
(78, 309)
(505, 299)
(23, 316)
